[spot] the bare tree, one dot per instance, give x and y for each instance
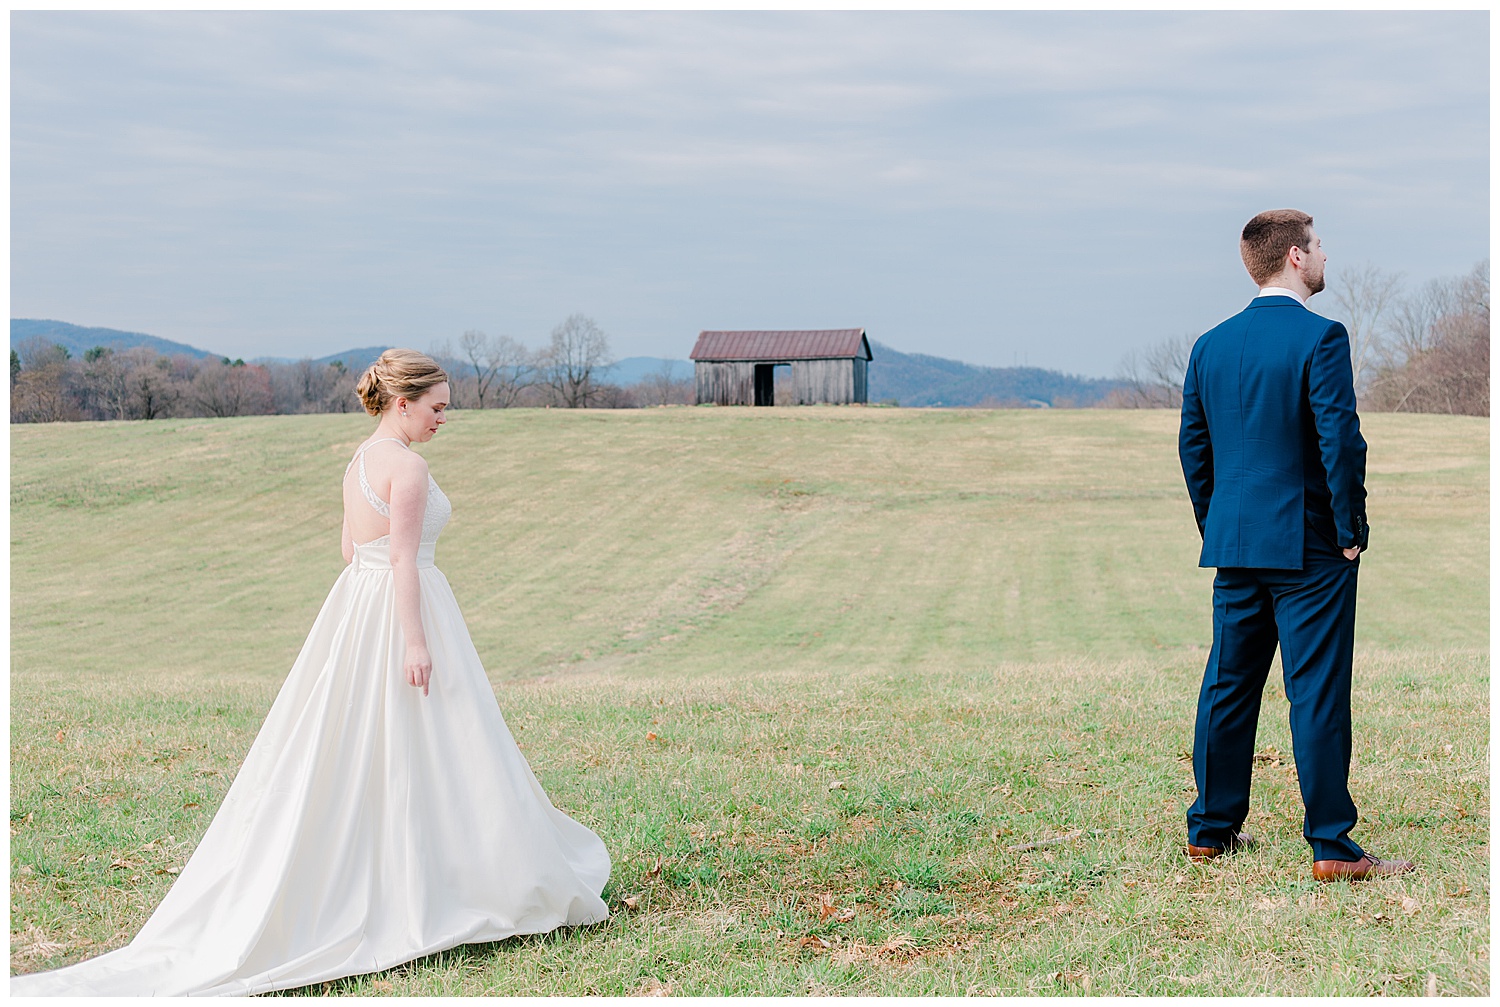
(41, 392)
(501, 368)
(571, 363)
(222, 388)
(104, 385)
(662, 387)
(1438, 357)
(307, 386)
(1153, 376)
(148, 378)
(1364, 294)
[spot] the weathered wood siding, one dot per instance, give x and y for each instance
(725, 382)
(832, 381)
(732, 382)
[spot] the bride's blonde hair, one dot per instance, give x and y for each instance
(397, 373)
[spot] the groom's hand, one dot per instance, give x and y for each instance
(1352, 553)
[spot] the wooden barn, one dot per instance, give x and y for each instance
(739, 368)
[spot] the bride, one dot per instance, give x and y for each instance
(383, 812)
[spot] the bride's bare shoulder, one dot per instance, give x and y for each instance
(398, 459)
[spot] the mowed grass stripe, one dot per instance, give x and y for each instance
(782, 660)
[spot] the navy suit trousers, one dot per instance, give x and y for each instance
(1310, 613)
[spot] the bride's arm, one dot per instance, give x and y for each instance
(408, 504)
(347, 542)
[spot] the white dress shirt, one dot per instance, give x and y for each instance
(1282, 292)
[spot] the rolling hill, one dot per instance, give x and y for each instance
(907, 379)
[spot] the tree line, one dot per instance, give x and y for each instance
(1425, 350)
(48, 384)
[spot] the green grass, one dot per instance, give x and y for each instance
(811, 673)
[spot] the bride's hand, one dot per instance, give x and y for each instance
(418, 667)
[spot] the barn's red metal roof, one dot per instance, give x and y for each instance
(781, 344)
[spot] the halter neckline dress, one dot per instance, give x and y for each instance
(369, 825)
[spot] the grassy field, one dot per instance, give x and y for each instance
(814, 675)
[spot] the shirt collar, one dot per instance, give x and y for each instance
(1282, 292)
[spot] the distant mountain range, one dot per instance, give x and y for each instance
(910, 379)
(77, 339)
(916, 379)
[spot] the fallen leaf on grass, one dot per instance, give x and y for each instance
(837, 785)
(1410, 906)
(1452, 895)
(826, 907)
(381, 986)
(1432, 989)
(653, 987)
(845, 916)
(655, 869)
(813, 941)
(631, 902)
(650, 735)
(190, 804)
(61, 736)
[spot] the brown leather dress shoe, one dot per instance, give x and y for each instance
(1367, 866)
(1241, 841)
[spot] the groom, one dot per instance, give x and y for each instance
(1275, 467)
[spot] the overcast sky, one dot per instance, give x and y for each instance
(1053, 188)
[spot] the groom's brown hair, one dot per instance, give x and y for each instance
(1268, 237)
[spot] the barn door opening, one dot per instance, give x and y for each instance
(773, 385)
(765, 384)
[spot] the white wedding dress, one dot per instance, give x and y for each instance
(369, 825)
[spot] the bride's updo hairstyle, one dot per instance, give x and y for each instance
(397, 373)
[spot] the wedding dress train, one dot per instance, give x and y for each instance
(369, 825)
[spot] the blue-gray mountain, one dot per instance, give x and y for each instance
(911, 379)
(78, 339)
(916, 379)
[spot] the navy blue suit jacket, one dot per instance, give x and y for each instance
(1270, 442)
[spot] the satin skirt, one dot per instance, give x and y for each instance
(369, 825)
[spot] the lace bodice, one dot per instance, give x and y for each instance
(438, 510)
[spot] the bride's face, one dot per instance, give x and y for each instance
(422, 416)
